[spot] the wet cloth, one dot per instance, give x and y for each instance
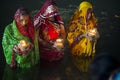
(78, 27)
(50, 29)
(13, 33)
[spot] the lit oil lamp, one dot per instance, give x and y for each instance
(23, 45)
(92, 32)
(59, 43)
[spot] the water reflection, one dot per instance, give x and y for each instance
(82, 63)
(59, 70)
(44, 71)
(71, 74)
(19, 74)
(69, 68)
(51, 70)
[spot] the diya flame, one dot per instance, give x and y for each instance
(92, 32)
(59, 42)
(23, 45)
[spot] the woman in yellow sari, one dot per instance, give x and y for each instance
(82, 32)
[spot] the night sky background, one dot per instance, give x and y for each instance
(107, 12)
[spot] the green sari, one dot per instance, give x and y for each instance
(11, 37)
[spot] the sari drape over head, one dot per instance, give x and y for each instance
(78, 27)
(48, 10)
(15, 32)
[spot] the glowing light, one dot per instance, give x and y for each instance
(59, 42)
(23, 45)
(92, 32)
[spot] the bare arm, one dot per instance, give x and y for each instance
(62, 31)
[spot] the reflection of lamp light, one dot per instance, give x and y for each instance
(92, 32)
(23, 45)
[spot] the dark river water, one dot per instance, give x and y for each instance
(69, 68)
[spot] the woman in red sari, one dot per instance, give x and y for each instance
(51, 29)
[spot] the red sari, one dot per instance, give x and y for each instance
(49, 9)
(46, 52)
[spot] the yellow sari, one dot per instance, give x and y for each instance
(77, 27)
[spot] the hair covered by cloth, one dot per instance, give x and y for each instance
(30, 32)
(85, 8)
(85, 4)
(51, 6)
(49, 9)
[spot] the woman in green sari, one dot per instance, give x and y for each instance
(19, 42)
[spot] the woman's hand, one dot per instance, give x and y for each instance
(89, 37)
(31, 46)
(22, 52)
(92, 34)
(45, 43)
(16, 49)
(62, 31)
(97, 35)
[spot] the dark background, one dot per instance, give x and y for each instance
(107, 12)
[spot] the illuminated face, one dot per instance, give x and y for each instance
(89, 16)
(51, 19)
(24, 19)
